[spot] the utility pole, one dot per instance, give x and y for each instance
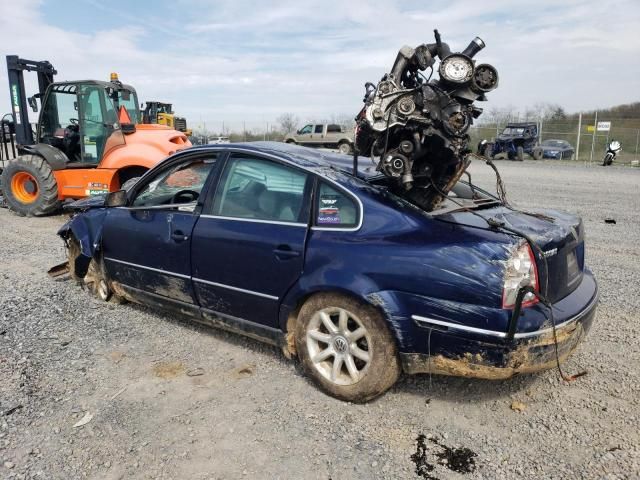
(593, 139)
(578, 138)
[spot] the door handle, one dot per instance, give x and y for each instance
(179, 236)
(284, 252)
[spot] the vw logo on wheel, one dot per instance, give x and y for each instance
(340, 344)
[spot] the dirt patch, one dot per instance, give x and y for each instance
(168, 370)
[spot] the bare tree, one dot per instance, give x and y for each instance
(288, 122)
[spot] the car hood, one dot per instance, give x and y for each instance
(94, 201)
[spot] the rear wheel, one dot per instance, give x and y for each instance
(344, 148)
(346, 347)
(29, 186)
(488, 150)
(537, 154)
(520, 154)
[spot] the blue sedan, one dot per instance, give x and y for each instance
(284, 244)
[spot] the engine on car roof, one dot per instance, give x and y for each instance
(418, 126)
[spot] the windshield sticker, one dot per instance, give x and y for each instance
(328, 213)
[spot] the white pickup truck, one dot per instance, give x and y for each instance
(323, 135)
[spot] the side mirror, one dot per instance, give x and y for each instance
(33, 103)
(116, 199)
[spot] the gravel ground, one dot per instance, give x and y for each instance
(170, 399)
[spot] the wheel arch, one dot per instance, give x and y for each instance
(86, 229)
(295, 299)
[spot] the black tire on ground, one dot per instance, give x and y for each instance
(537, 154)
(291, 142)
(383, 368)
(511, 156)
(344, 148)
(520, 154)
(488, 150)
(46, 189)
(608, 160)
(129, 183)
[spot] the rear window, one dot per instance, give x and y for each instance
(334, 208)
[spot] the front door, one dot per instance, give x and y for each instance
(147, 244)
(248, 245)
(304, 135)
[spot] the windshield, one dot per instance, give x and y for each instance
(553, 143)
(513, 131)
(129, 100)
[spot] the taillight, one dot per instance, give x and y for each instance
(521, 271)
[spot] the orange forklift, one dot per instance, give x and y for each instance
(89, 140)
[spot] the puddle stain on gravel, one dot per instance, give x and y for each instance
(168, 370)
(460, 460)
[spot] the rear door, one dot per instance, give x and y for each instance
(248, 245)
(147, 245)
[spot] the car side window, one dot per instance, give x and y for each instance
(319, 128)
(259, 189)
(179, 186)
(305, 129)
(334, 129)
(334, 208)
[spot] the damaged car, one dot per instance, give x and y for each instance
(294, 247)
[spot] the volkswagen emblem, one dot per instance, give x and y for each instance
(340, 344)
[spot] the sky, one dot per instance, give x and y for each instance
(233, 61)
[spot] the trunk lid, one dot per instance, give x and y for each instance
(561, 240)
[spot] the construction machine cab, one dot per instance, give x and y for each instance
(158, 113)
(81, 119)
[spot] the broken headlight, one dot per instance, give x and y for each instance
(521, 271)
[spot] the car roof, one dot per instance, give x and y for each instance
(304, 157)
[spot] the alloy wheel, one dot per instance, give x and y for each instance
(339, 345)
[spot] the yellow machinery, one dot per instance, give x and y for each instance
(160, 113)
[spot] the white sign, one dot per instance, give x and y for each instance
(604, 126)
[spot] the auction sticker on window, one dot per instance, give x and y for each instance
(328, 211)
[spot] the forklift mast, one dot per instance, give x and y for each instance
(19, 102)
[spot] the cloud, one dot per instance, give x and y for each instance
(239, 60)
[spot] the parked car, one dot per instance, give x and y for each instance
(218, 140)
(515, 140)
(556, 149)
(323, 135)
(284, 244)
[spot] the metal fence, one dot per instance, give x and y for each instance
(582, 133)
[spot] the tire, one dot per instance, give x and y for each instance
(537, 154)
(488, 150)
(291, 142)
(608, 160)
(29, 187)
(129, 183)
(368, 365)
(520, 154)
(94, 280)
(511, 156)
(344, 148)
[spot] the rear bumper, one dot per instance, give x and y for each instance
(526, 353)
